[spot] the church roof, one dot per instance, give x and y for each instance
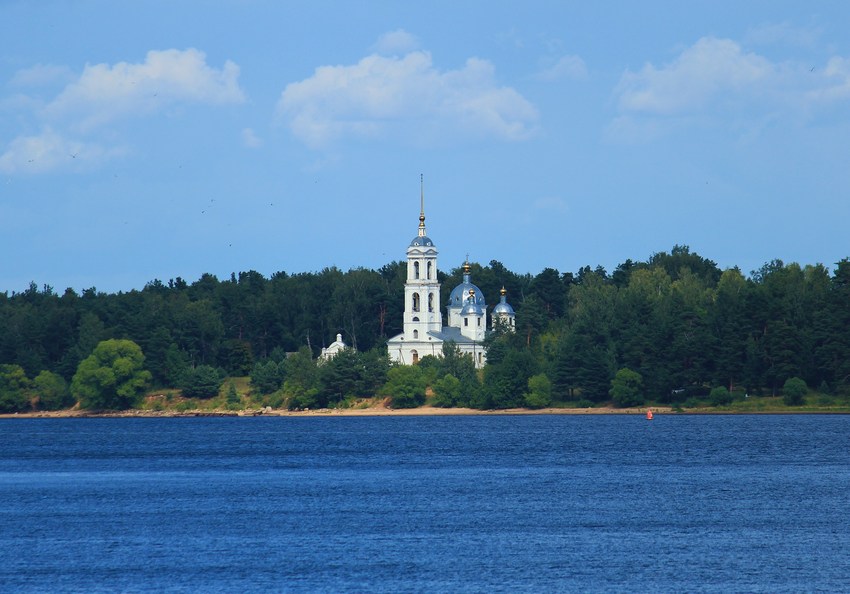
(460, 294)
(450, 333)
(472, 309)
(421, 241)
(503, 307)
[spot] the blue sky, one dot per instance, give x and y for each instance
(150, 140)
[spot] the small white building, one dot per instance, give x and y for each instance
(423, 331)
(336, 346)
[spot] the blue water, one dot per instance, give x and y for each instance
(426, 504)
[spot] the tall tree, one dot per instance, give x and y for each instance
(112, 377)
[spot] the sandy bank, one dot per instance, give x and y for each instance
(373, 411)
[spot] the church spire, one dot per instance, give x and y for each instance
(421, 205)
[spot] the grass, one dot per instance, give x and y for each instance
(171, 400)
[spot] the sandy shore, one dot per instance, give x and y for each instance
(373, 411)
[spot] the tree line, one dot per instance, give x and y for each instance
(669, 328)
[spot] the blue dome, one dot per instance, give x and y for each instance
(472, 308)
(460, 294)
(421, 241)
(503, 308)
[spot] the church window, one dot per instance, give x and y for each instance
(415, 356)
(416, 270)
(429, 270)
(466, 321)
(479, 322)
(430, 302)
(416, 334)
(416, 302)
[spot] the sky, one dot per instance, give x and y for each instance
(161, 139)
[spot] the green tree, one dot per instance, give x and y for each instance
(112, 377)
(794, 391)
(539, 391)
(447, 391)
(237, 357)
(51, 390)
(549, 289)
(627, 388)
(301, 383)
(339, 378)
(405, 386)
(204, 381)
(720, 396)
(14, 386)
(505, 383)
(234, 401)
(267, 377)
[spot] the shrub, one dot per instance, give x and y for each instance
(267, 377)
(539, 392)
(234, 401)
(794, 391)
(14, 385)
(627, 388)
(406, 385)
(201, 382)
(720, 396)
(447, 391)
(52, 391)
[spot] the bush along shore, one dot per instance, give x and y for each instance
(172, 403)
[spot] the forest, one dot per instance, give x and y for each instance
(670, 329)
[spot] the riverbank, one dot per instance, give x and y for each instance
(383, 411)
(371, 411)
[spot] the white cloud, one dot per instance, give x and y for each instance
(709, 72)
(565, 67)
(405, 97)
(103, 92)
(396, 43)
(250, 139)
(717, 77)
(49, 151)
(42, 74)
(836, 76)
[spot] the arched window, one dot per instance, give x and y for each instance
(416, 302)
(430, 302)
(429, 269)
(416, 270)
(416, 334)
(466, 321)
(415, 356)
(479, 322)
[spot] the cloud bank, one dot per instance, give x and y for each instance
(103, 94)
(405, 97)
(719, 74)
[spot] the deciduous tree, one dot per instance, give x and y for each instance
(112, 377)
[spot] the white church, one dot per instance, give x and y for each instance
(424, 333)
